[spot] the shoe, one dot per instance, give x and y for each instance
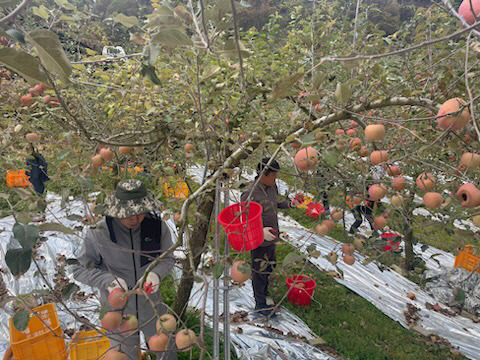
(267, 313)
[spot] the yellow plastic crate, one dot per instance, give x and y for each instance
(17, 178)
(467, 260)
(175, 188)
(88, 345)
(42, 339)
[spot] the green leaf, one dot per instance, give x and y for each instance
(18, 260)
(65, 4)
(459, 295)
(41, 12)
(56, 227)
(16, 35)
(162, 16)
(210, 70)
(245, 268)
(291, 137)
(7, 3)
(103, 310)
(51, 53)
(330, 157)
(171, 37)
(230, 49)
(291, 258)
(20, 319)
(72, 261)
(149, 71)
(63, 154)
(217, 270)
(318, 79)
(86, 182)
(23, 217)
(343, 93)
(127, 21)
(282, 87)
(26, 235)
(245, 4)
(151, 53)
(23, 64)
(69, 290)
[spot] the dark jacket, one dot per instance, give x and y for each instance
(38, 174)
(267, 196)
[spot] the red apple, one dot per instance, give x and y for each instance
(117, 298)
(111, 320)
(158, 342)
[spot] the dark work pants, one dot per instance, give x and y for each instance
(358, 212)
(263, 263)
(325, 200)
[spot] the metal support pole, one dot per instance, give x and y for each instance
(226, 301)
(216, 258)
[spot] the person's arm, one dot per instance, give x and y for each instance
(166, 264)
(88, 272)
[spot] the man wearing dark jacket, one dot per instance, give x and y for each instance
(265, 193)
(117, 252)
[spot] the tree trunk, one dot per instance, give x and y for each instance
(409, 254)
(197, 243)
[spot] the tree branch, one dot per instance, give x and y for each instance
(10, 17)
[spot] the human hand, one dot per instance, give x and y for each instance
(117, 283)
(151, 285)
(267, 234)
(298, 200)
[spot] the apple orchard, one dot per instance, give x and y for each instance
(323, 90)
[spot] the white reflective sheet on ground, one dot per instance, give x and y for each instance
(250, 339)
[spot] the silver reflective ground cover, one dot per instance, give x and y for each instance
(387, 289)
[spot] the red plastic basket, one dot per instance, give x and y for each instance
(243, 225)
(300, 289)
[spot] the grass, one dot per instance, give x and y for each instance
(435, 233)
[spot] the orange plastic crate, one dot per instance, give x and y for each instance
(88, 345)
(467, 259)
(175, 188)
(42, 339)
(17, 178)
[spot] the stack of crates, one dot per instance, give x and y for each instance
(42, 339)
(175, 188)
(17, 178)
(467, 259)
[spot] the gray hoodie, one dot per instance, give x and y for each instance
(101, 260)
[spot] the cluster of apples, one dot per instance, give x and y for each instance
(37, 90)
(166, 325)
(328, 225)
(127, 324)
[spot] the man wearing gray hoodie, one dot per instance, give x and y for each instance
(116, 254)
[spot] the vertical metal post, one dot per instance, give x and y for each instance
(216, 281)
(226, 284)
